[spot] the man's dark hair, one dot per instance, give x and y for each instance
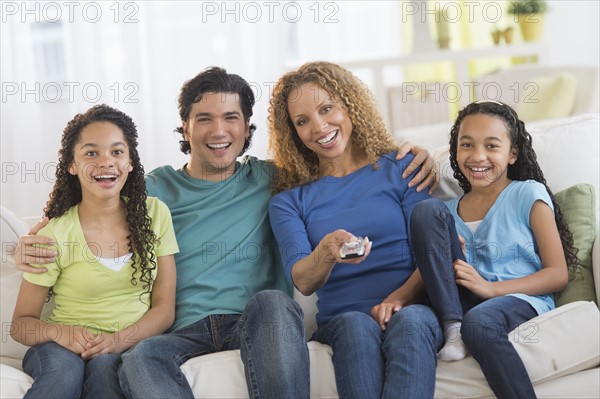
(215, 80)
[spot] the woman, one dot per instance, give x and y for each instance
(338, 179)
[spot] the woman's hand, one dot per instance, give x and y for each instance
(311, 272)
(468, 277)
(331, 247)
(383, 312)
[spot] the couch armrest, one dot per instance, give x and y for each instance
(596, 266)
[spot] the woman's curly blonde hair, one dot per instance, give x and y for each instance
(296, 164)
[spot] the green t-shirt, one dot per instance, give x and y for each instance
(88, 293)
(227, 249)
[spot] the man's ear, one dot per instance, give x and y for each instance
(247, 134)
(184, 126)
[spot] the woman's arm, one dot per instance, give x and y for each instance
(155, 321)
(553, 276)
(410, 292)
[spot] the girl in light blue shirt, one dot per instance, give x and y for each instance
(517, 247)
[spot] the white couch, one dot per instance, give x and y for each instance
(561, 349)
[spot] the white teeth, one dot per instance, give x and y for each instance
(327, 138)
(105, 177)
(218, 146)
(479, 169)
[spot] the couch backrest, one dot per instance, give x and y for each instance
(11, 228)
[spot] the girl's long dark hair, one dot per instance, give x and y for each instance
(525, 168)
(66, 192)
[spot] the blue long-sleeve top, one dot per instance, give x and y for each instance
(369, 202)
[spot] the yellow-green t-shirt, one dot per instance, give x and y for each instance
(89, 294)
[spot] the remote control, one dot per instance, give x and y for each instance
(353, 249)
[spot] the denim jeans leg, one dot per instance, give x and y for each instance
(485, 332)
(150, 369)
(436, 247)
(56, 371)
(102, 378)
(358, 361)
(410, 345)
(273, 347)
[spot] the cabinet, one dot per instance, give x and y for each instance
(526, 51)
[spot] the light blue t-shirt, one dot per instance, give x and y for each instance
(368, 202)
(504, 247)
(227, 251)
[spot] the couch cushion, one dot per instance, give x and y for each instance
(577, 206)
(10, 280)
(11, 228)
(14, 383)
(227, 368)
(550, 346)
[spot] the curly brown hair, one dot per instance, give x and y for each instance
(296, 164)
(526, 166)
(66, 192)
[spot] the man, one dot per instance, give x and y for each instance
(231, 291)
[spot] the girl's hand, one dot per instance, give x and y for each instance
(102, 344)
(468, 277)
(73, 338)
(383, 312)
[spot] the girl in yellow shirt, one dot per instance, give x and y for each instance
(113, 276)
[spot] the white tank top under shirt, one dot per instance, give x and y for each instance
(473, 225)
(115, 264)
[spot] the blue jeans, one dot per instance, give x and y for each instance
(269, 334)
(485, 324)
(59, 373)
(396, 363)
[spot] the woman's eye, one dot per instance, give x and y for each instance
(90, 153)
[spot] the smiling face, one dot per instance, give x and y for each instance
(320, 121)
(101, 161)
(484, 151)
(216, 131)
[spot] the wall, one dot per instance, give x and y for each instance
(172, 42)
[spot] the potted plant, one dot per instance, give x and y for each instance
(530, 16)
